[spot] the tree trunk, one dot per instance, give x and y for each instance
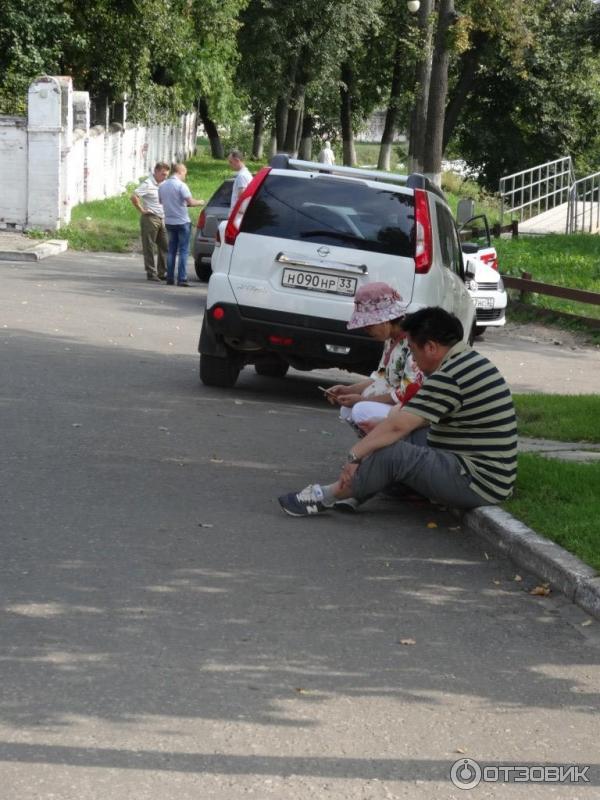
(258, 134)
(281, 116)
(438, 90)
(305, 149)
(346, 89)
(216, 146)
(468, 70)
(299, 128)
(294, 118)
(272, 143)
(391, 117)
(418, 118)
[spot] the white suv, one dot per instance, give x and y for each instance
(300, 241)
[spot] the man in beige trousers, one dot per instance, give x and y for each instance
(152, 222)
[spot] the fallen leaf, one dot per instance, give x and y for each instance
(432, 525)
(460, 750)
(454, 528)
(517, 578)
(496, 582)
(407, 642)
(586, 623)
(217, 460)
(76, 425)
(161, 428)
(205, 525)
(300, 690)
(540, 591)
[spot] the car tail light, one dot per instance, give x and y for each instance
(491, 259)
(217, 312)
(423, 239)
(237, 215)
(201, 220)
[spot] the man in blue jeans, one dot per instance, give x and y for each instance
(176, 197)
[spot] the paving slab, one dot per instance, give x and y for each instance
(18, 247)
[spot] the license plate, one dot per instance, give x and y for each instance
(484, 302)
(318, 282)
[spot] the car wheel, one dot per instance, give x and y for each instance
(203, 271)
(472, 334)
(272, 368)
(480, 330)
(217, 371)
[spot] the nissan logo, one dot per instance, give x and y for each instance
(323, 251)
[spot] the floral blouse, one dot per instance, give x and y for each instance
(397, 373)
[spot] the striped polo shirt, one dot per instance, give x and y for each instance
(470, 408)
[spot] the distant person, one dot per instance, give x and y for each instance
(176, 198)
(326, 156)
(242, 178)
(152, 222)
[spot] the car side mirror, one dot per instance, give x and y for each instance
(210, 227)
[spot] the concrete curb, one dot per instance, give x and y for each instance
(530, 551)
(36, 251)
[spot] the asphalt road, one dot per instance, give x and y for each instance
(167, 633)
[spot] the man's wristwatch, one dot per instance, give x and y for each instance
(352, 458)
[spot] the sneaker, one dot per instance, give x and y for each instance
(170, 282)
(307, 502)
(151, 277)
(182, 283)
(349, 505)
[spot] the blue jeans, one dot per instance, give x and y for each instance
(179, 240)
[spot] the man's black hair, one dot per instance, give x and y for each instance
(433, 324)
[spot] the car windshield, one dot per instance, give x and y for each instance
(332, 211)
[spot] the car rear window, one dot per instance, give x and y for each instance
(222, 197)
(335, 212)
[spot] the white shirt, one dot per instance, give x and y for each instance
(173, 193)
(147, 191)
(242, 179)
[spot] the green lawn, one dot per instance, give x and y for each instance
(572, 261)
(560, 500)
(566, 418)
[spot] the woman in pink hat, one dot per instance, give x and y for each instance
(379, 309)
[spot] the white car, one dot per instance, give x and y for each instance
(302, 238)
(483, 279)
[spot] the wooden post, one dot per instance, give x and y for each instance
(515, 228)
(525, 297)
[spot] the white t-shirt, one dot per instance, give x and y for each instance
(242, 179)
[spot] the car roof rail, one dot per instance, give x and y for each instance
(417, 180)
(283, 161)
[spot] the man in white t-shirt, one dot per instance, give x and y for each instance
(242, 178)
(152, 222)
(176, 197)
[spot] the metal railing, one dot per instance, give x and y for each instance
(537, 189)
(583, 212)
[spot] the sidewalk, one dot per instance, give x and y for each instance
(19, 247)
(530, 551)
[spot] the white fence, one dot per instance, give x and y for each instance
(52, 160)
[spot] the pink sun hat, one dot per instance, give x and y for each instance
(374, 303)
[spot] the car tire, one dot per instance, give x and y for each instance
(472, 334)
(480, 330)
(272, 368)
(203, 271)
(218, 371)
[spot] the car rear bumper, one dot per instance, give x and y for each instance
(304, 341)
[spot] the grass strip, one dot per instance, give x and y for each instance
(561, 501)
(572, 261)
(566, 418)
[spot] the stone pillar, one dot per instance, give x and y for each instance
(66, 147)
(44, 129)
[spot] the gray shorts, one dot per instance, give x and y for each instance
(436, 474)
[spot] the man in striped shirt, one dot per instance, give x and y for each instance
(454, 442)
